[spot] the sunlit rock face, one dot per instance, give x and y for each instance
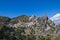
(32, 18)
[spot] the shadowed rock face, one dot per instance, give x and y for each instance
(43, 19)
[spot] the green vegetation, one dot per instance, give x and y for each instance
(20, 34)
(22, 18)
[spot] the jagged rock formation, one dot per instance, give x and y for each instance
(32, 18)
(40, 26)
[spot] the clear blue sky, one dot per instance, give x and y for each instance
(13, 8)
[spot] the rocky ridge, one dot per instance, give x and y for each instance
(41, 25)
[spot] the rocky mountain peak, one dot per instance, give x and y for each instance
(32, 18)
(44, 17)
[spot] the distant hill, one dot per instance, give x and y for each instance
(4, 19)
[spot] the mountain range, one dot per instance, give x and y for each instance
(41, 25)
